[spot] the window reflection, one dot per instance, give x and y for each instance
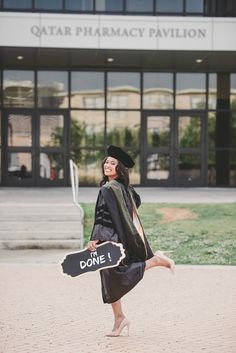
(212, 91)
(123, 128)
(233, 91)
(52, 89)
(189, 167)
(19, 130)
(174, 6)
(109, 5)
(189, 131)
(51, 166)
(157, 91)
(195, 6)
(87, 90)
(90, 166)
(211, 130)
(139, 5)
(232, 130)
(123, 90)
(51, 130)
(79, 5)
(48, 4)
(158, 131)
(190, 91)
(232, 172)
(18, 88)
(158, 166)
(19, 165)
(86, 130)
(16, 4)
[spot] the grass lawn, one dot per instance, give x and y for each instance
(196, 233)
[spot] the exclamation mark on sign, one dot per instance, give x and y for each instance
(109, 255)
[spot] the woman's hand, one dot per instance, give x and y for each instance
(92, 245)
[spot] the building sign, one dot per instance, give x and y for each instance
(116, 32)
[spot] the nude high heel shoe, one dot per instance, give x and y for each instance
(170, 261)
(124, 323)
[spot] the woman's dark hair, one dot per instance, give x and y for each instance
(122, 173)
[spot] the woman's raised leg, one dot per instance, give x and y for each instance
(159, 259)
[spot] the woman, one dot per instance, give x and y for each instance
(116, 219)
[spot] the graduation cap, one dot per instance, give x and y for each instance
(120, 155)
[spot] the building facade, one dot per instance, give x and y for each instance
(156, 77)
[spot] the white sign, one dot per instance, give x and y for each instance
(116, 32)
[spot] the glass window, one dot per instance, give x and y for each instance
(109, 5)
(19, 130)
(51, 130)
(157, 91)
(211, 175)
(19, 165)
(174, 6)
(222, 148)
(189, 168)
(16, 4)
(51, 166)
(190, 91)
(90, 166)
(139, 5)
(123, 90)
(158, 131)
(195, 6)
(158, 166)
(211, 130)
(79, 5)
(189, 131)
(86, 130)
(48, 4)
(123, 129)
(232, 168)
(233, 91)
(212, 91)
(232, 129)
(18, 88)
(52, 89)
(87, 90)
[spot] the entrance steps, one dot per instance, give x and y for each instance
(41, 226)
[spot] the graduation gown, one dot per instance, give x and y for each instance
(116, 220)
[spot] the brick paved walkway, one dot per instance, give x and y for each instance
(45, 312)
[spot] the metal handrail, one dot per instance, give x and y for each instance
(74, 178)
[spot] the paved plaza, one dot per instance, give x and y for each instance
(44, 311)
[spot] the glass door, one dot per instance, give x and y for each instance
(172, 151)
(36, 152)
(189, 149)
(52, 148)
(156, 153)
(19, 155)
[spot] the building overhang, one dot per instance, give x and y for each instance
(65, 41)
(132, 60)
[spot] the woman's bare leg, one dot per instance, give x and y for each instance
(118, 314)
(158, 260)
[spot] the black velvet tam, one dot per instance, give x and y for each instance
(120, 155)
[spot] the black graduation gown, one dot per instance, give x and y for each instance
(108, 226)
